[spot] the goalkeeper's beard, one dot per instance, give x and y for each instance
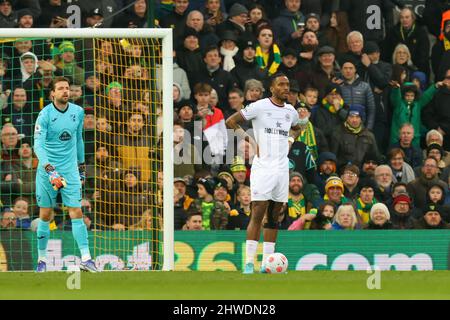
(62, 101)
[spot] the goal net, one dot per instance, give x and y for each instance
(123, 80)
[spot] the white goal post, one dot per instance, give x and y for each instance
(167, 81)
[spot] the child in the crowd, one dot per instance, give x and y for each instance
(240, 217)
(419, 78)
(21, 211)
(215, 215)
(408, 107)
(324, 217)
(310, 98)
(436, 196)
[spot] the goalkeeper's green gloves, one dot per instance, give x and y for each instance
(56, 180)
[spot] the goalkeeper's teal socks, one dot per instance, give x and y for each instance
(43, 233)
(80, 235)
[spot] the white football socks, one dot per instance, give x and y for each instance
(268, 248)
(250, 251)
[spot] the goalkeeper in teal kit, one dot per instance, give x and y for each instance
(59, 146)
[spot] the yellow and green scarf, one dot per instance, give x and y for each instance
(273, 58)
(364, 209)
(308, 137)
(353, 130)
(296, 208)
(330, 107)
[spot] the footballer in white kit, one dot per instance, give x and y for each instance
(269, 178)
(275, 126)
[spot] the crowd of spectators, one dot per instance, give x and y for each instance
(372, 88)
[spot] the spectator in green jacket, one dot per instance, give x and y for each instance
(407, 107)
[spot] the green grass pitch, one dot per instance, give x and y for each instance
(226, 285)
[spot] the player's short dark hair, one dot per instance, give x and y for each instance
(275, 76)
(59, 79)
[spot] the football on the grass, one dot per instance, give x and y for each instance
(276, 263)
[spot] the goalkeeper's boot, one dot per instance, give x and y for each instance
(89, 266)
(41, 266)
(249, 268)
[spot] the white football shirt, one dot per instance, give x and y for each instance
(271, 124)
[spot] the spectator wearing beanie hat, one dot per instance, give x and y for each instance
(188, 53)
(236, 22)
(358, 92)
(332, 112)
(334, 191)
(246, 65)
(366, 199)
(25, 18)
(435, 150)
(379, 217)
(432, 218)
(402, 213)
(351, 140)
(326, 165)
(9, 17)
(434, 136)
(228, 50)
(186, 111)
(239, 170)
(215, 214)
(302, 198)
(232, 185)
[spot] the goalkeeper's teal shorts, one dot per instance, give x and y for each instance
(46, 195)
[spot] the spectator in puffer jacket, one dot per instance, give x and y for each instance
(355, 91)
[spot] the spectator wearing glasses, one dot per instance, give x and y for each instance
(350, 178)
(436, 151)
(370, 162)
(236, 22)
(417, 188)
(8, 220)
